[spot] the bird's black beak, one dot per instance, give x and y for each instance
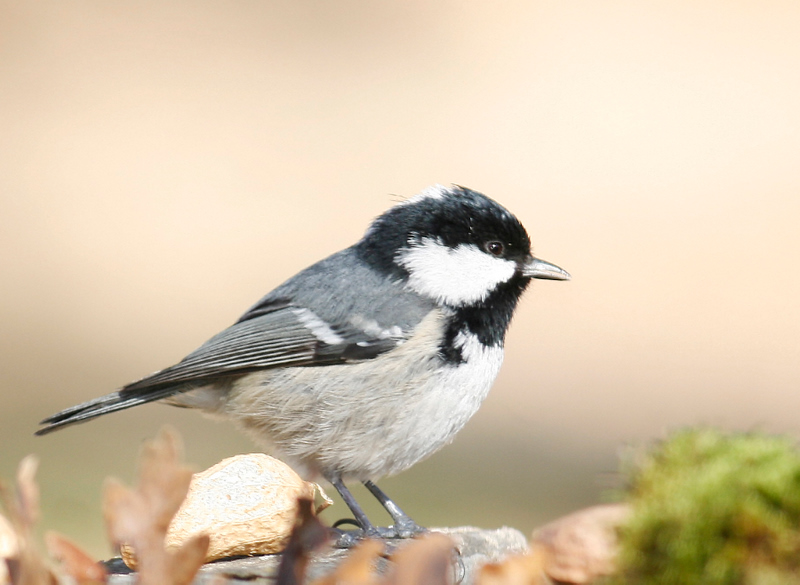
(536, 268)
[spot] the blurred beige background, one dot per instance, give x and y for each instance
(164, 164)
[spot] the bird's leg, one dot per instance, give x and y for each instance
(348, 498)
(404, 526)
(347, 539)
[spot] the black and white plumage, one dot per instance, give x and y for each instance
(371, 359)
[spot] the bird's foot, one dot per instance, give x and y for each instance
(346, 538)
(406, 528)
(351, 537)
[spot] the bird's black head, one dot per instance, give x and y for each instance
(452, 216)
(452, 244)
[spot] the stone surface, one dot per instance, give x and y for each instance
(476, 547)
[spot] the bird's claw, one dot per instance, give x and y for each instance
(350, 538)
(407, 528)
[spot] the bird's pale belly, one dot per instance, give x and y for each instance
(413, 407)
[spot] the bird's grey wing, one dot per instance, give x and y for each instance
(343, 289)
(334, 312)
(281, 335)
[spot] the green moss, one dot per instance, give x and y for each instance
(716, 509)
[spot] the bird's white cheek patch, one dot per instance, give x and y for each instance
(455, 276)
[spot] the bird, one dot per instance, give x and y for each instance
(369, 360)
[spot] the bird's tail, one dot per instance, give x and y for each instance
(119, 400)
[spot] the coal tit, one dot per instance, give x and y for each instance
(371, 359)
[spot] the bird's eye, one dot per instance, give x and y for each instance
(495, 248)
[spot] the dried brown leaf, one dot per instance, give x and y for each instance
(9, 548)
(125, 513)
(140, 517)
(188, 558)
(581, 547)
(358, 568)
(516, 570)
(83, 569)
(428, 559)
(163, 481)
(28, 492)
(9, 543)
(308, 535)
(27, 566)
